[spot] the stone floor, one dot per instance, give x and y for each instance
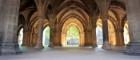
(70, 54)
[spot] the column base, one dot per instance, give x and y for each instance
(87, 45)
(55, 44)
(133, 48)
(118, 48)
(39, 47)
(51, 45)
(9, 49)
(106, 45)
(94, 46)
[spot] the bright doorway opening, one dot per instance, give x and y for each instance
(20, 37)
(99, 33)
(46, 37)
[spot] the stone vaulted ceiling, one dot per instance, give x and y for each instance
(65, 8)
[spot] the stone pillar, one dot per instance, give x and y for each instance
(133, 11)
(40, 34)
(52, 31)
(120, 37)
(41, 9)
(51, 37)
(94, 37)
(25, 36)
(103, 7)
(94, 20)
(88, 35)
(8, 24)
(106, 44)
(58, 36)
(30, 38)
(1, 25)
(1, 38)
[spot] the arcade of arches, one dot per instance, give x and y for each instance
(69, 23)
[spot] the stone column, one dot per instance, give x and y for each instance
(88, 35)
(133, 11)
(8, 24)
(51, 37)
(94, 44)
(52, 30)
(40, 34)
(25, 36)
(103, 7)
(41, 9)
(1, 40)
(1, 25)
(120, 37)
(58, 36)
(94, 19)
(106, 44)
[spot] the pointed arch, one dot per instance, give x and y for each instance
(77, 12)
(66, 25)
(111, 33)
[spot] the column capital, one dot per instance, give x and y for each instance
(104, 17)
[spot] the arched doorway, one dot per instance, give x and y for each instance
(20, 37)
(99, 33)
(111, 33)
(72, 34)
(46, 37)
(126, 34)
